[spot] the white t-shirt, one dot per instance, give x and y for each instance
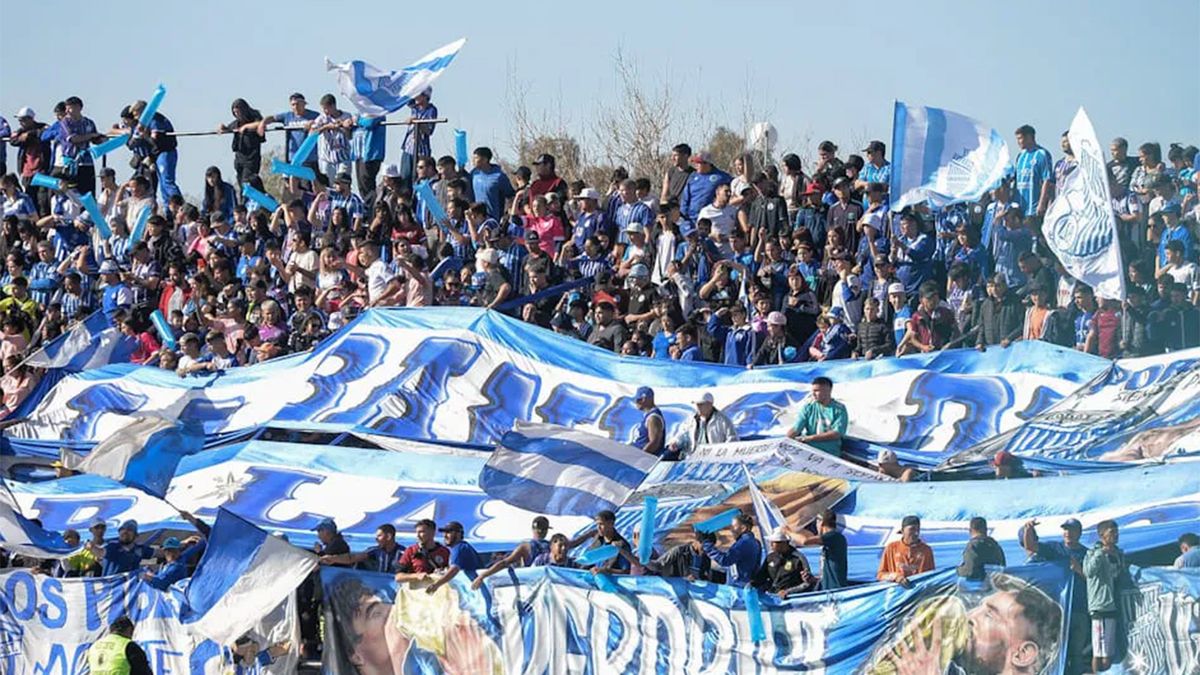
(1187, 274)
(378, 277)
(723, 219)
(306, 261)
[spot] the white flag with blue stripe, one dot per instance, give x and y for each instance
(565, 472)
(143, 454)
(21, 536)
(1079, 225)
(379, 92)
(942, 157)
(243, 575)
(90, 343)
(767, 515)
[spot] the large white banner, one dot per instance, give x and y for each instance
(48, 624)
(1079, 226)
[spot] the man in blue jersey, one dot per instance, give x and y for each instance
(701, 186)
(742, 559)
(876, 170)
(463, 556)
(526, 552)
(490, 184)
(650, 434)
(296, 120)
(1035, 174)
(124, 554)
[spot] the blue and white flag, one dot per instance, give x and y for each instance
(22, 536)
(243, 575)
(143, 454)
(943, 157)
(91, 343)
(1079, 225)
(766, 514)
(558, 471)
(378, 92)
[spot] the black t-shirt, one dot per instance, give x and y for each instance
(781, 572)
(609, 337)
(676, 180)
(247, 145)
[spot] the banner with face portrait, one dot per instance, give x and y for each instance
(47, 625)
(540, 620)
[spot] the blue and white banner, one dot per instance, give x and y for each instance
(22, 536)
(1144, 409)
(143, 455)
(942, 157)
(243, 573)
(554, 470)
(1080, 226)
(1162, 622)
(290, 487)
(90, 343)
(558, 620)
(379, 92)
(466, 375)
(1152, 504)
(47, 625)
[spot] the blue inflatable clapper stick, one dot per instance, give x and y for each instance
(429, 201)
(93, 210)
(754, 616)
(43, 181)
(282, 168)
(139, 228)
(605, 583)
(646, 542)
(596, 555)
(264, 199)
(305, 149)
(460, 147)
(152, 106)
(98, 151)
(163, 328)
(717, 522)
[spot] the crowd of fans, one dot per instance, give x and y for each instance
(759, 266)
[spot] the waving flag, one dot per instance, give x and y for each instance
(22, 536)
(558, 471)
(143, 454)
(378, 92)
(1079, 225)
(943, 157)
(766, 513)
(244, 574)
(91, 343)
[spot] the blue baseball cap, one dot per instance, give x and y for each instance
(171, 544)
(1171, 207)
(643, 392)
(1070, 523)
(326, 524)
(97, 522)
(128, 525)
(837, 312)
(686, 228)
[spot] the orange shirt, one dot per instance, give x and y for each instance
(900, 559)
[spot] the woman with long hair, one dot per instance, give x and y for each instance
(247, 142)
(219, 196)
(743, 167)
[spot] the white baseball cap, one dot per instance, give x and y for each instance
(706, 397)
(896, 287)
(886, 456)
(778, 534)
(391, 171)
(26, 112)
(588, 193)
(635, 227)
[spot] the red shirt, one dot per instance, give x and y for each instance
(543, 186)
(1108, 327)
(424, 561)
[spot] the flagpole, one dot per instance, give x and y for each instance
(181, 134)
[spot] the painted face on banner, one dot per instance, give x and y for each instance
(1004, 636)
(381, 648)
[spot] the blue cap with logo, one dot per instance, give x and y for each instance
(128, 525)
(171, 544)
(326, 524)
(1072, 524)
(643, 392)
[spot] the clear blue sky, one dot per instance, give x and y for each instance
(824, 70)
